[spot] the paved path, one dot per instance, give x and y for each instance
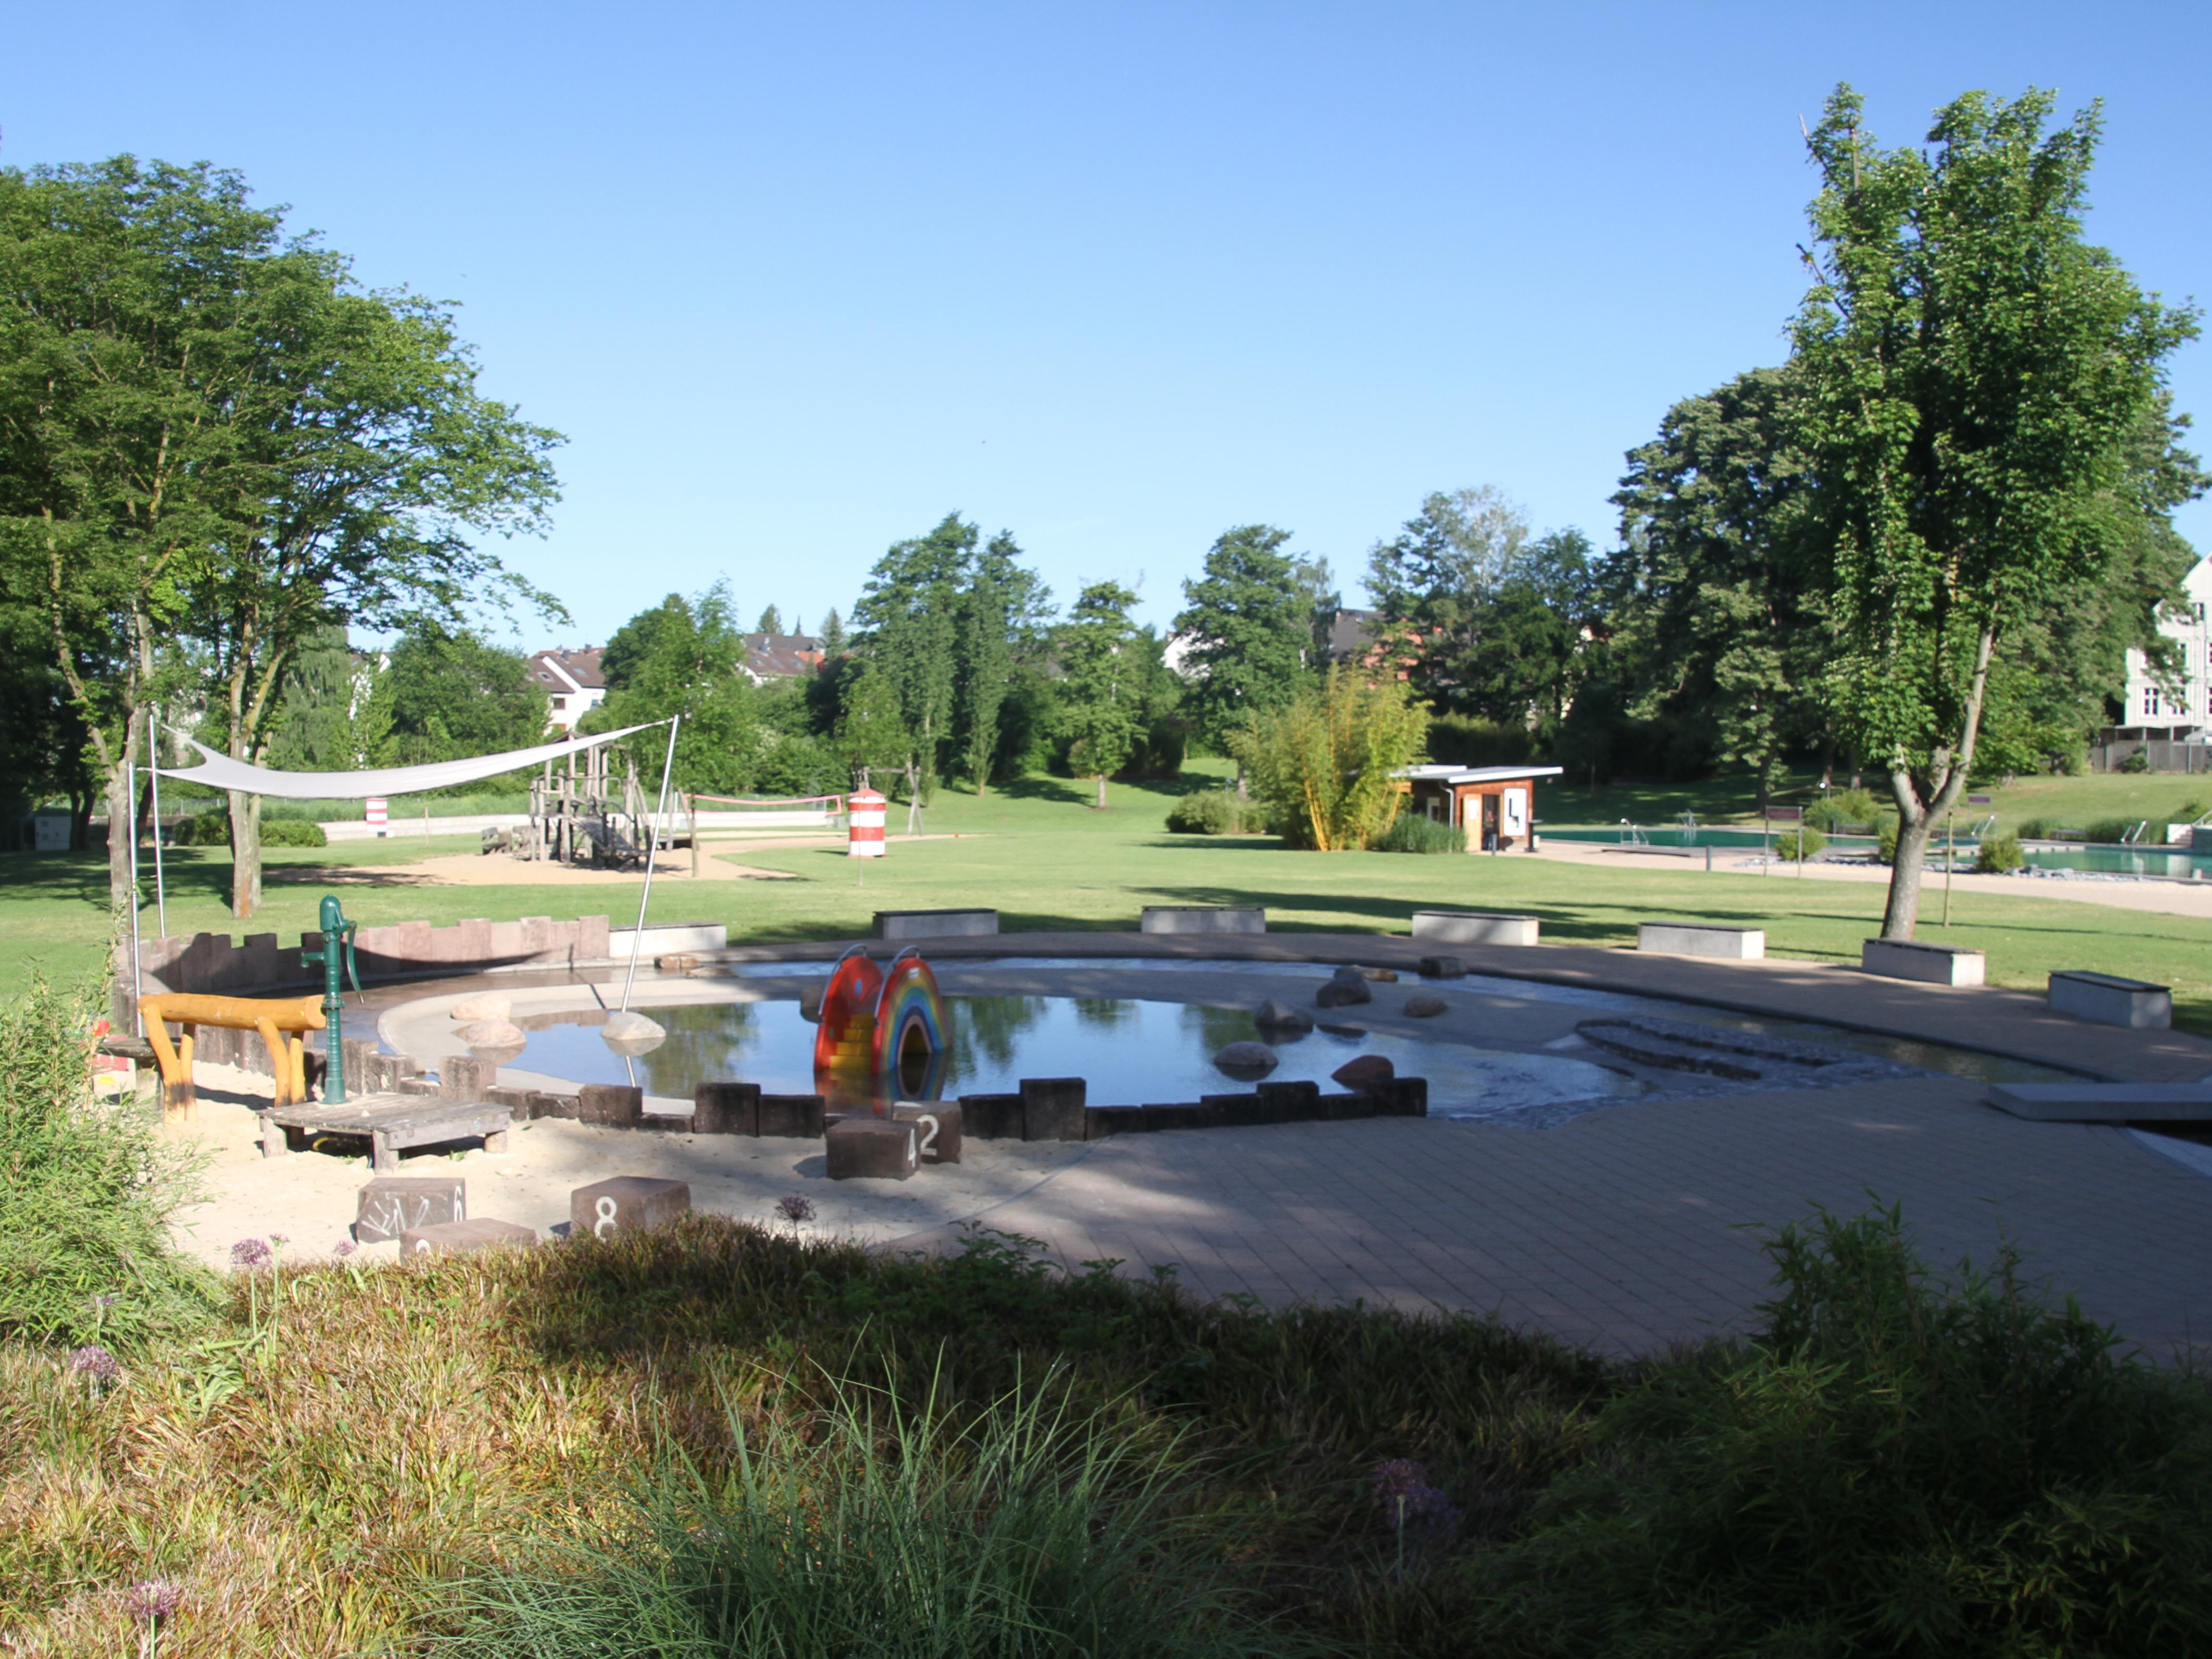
(1630, 1228)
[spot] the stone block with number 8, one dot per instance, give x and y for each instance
(936, 1129)
(626, 1203)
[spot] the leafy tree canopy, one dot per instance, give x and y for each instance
(1249, 617)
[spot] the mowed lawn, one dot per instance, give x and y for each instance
(1043, 857)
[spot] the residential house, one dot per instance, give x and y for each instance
(2159, 716)
(781, 656)
(574, 685)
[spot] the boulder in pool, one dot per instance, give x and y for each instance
(1274, 1016)
(488, 1005)
(1246, 1060)
(1346, 986)
(1423, 1007)
(1365, 1072)
(491, 1034)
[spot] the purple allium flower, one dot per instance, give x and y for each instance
(343, 1247)
(795, 1207)
(95, 1362)
(249, 1253)
(280, 1239)
(1410, 1503)
(155, 1598)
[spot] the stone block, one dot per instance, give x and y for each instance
(1345, 987)
(1402, 1096)
(463, 1077)
(1926, 965)
(419, 1085)
(626, 1203)
(1443, 968)
(1236, 1111)
(616, 1105)
(937, 1126)
(1203, 918)
(726, 1109)
(1697, 938)
(872, 1148)
(1051, 1108)
(665, 1123)
(1474, 927)
(2109, 1000)
(1100, 1122)
(991, 1117)
(2106, 1103)
(1335, 1108)
(549, 1105)
(799, 1115)
(1291, 1102)
(391, 1204)
(1181, 1115)
(517, 1102)
(935, 924)
(451, 1237)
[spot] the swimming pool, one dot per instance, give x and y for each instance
(2172, 864)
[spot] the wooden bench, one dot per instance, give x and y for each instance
(273, 1016)
(391, 1123)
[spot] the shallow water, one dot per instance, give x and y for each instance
(1133, 1052)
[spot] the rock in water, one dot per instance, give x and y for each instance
(1274, 1016)
(1246, 1060)
(1365, 1072)
(628, 1032)
(1425, 1007)
(497, 1034)
(489, 1006)
(1346, 986)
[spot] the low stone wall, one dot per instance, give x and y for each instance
(935, 924)
(1474, 927)
(2109, 1000)
(1202, 919)
(211, 964)
(1927, 964)
(1700, 939)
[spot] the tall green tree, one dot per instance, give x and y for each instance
(1002, 609)
(771, 621)
(872, 734)
(1975, 373)
(1718, 595)
(832, 642)
(909, 622)
(451, 695)
(1100, 682)
(685, 656)
(1249, 617)
(1432, 581)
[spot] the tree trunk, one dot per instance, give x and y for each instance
(121, 900)
(244, 855)
(1102, 792)
(1913, 829)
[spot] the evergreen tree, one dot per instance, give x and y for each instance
(910, 627)
(1099, 682)
(832, 644)
(771, 621)
(1250, 619)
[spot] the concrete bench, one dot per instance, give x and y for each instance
(1202, 919)
(935, 924)
(1474, 927)
(453, 1238)
(2106, 1103)
(1927, 964)
(626, 1203)
(1700, 938)
(2111, 1001)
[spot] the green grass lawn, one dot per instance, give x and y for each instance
(1040, 855)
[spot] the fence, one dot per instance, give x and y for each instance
(2161, 754)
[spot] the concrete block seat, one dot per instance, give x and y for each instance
(2106, 1103)
(1203, 918)
(2111, 1000)
(935, 924)
(1474, 927)
(451, 1237)
(626, 1203)
(871, 1148)
(1701, 938)
(391, 1206)
(1927, 964)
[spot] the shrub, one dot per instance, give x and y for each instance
(213, 829)
(1841, 806)
(1891, 1468)
(2137, 760)
(1411, 832)
(86, 1190)
(292, 832)
(1216, 812)
(1322, 766)
(2111, 830)
(1885, 850)
(204, 829)
(1470, 740)
(1998, 853)
(1792, 844)
(888, 1530)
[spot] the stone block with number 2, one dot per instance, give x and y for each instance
(626, 1203)
(937, 1126)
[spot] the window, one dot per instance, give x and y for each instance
(2153, 704)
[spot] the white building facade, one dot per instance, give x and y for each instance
(2157, 715)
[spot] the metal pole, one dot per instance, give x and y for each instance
(1950, 866)
(637, 938)
(138, 972)
(154, 771)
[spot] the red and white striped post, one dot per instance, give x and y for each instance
(863, 815)
(376, 804)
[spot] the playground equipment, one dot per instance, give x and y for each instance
(281, 1020)
(885, 1023)
(590, 817)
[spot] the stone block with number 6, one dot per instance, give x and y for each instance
(937, 1126)
(870, 1147)
(626, 1203)
(448, 1237)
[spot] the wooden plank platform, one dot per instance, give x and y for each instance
(391, 1123)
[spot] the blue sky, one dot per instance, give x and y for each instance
(797, 281)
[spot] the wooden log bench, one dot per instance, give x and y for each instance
(391, 1123)
(279, 1019)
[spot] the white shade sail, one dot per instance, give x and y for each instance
(221, 772)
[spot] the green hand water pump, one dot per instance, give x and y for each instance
(337, 937)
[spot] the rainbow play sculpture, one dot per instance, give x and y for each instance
(878, 1021)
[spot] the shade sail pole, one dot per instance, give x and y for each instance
(130, 793)
(153, 772)
(653, 853)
